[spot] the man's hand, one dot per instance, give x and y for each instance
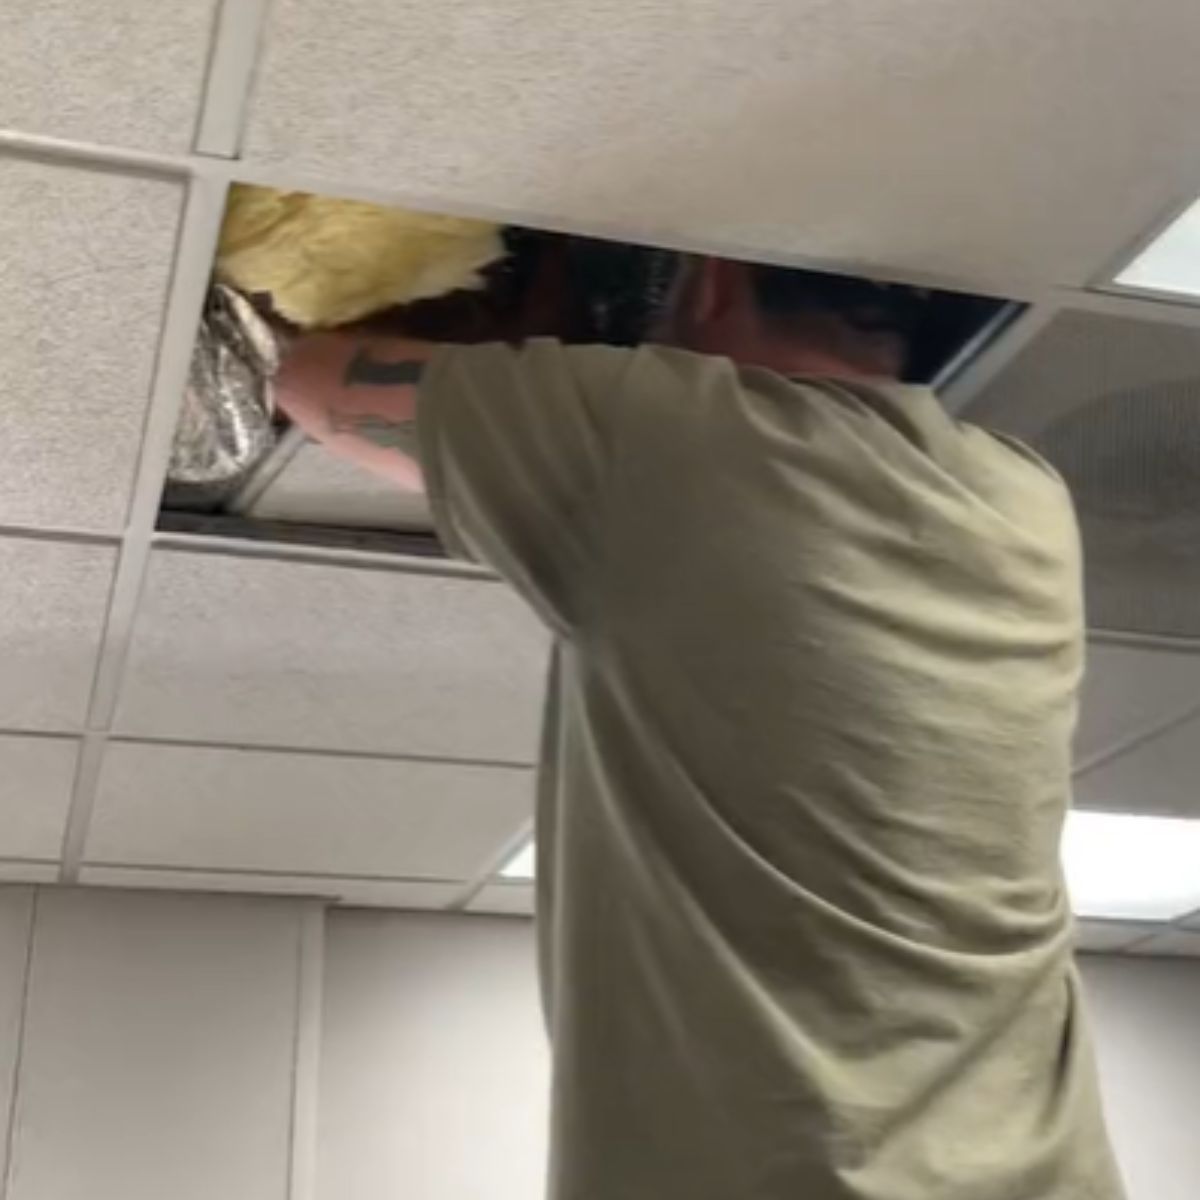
(356, 394)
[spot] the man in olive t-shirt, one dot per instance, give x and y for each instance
(807, 750)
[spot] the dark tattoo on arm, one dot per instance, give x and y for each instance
(388, 433)
(400, 436)
(366, 371)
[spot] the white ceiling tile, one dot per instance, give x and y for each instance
(87, 255)
(36, 777)
(255, 651)
(1130, 691)
(319, 489)
(504, 899)
(990, 142)
(53, 597)
(128, 73)
(418, 895)
(1160, 776)
(1099, 937)
(253, 810)
(159, 1046)
(1174, 943)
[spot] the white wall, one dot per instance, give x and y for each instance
(16, 908)
(167, 1045)
(434, 1063)
(148, 1042)
(1147, 1024)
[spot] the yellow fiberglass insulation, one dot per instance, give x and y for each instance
(327, 262)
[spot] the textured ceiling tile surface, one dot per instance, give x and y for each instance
(303, 813)
(1160, 776)
(53, 597)
(251, 651)
(976, 140)
(87, 255)
(319, 489)
(124, 72)
(1129, 691)
(36, 776)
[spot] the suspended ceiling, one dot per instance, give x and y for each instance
(178, 712)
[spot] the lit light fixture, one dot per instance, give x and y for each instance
(1129, 867)
(1171, 263)
(1119, 866)
(520, 868)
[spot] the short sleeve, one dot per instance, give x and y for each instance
(514, 445)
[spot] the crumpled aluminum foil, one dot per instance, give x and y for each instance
(225, 424)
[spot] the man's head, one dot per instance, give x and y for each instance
(795, 322)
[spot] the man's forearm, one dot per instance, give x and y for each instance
(357, 395)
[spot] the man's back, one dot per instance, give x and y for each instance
(806, 764)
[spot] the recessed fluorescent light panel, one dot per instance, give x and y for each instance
(1130, 867)
(1171, 263)
(521, 866)
(1118, 865)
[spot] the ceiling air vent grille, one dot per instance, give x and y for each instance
(1114, 404)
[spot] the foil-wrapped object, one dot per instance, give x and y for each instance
(225, 425)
